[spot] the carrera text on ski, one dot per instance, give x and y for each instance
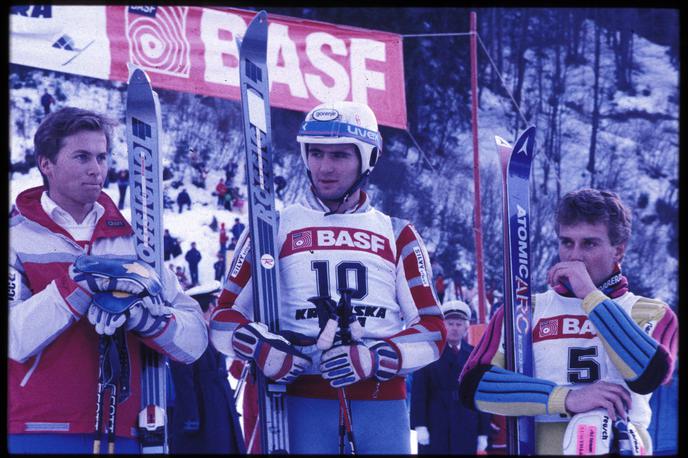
(515, 163)
(255, 105)
(143, 132)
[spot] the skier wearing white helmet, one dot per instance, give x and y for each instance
(342, 124)
(334, 245)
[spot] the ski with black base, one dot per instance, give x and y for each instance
(255, 104)
(146, 198)
(516, 163)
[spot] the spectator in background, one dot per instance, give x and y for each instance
(228, 201)
(280, 184)
(170, 245)
(202, 175)
(195, 159)
(230, 171)
(181, 276)
(238, 200)
(229, 253)
(444, 426)
(111, 176)
(440, 287)
(237, 229)
(204, 418)
(47, 101)
(454, 291)
(220, 266)
(183, 198)
(223, 238)
(167, 173)
(193, 257)
(437, 278)
(122, 184)
(437, 268)
(220, 191)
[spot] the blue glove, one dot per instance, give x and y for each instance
(103, 273)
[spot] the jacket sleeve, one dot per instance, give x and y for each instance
(486, 386)
(419, 397)
(36, 320)
(184, 337)
(424, 337)
(235, 306)
(641, 345)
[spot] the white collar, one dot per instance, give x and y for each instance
(311, 200)
(62, 218)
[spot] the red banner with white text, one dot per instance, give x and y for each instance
(194, 49)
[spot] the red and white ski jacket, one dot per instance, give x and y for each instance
(53, 349)
(382, 258)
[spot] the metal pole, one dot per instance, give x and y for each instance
(477, 224)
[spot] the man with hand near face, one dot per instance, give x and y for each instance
(599, 351)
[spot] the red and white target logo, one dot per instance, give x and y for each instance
(157, 39)
(549, 328)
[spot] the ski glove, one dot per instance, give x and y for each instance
(146, 316)
(347, 364)
(102, 273)
(594, 433)
(274, 355)
(423, 435)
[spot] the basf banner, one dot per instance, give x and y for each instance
(194, 49)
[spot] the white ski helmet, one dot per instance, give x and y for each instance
(343, 122)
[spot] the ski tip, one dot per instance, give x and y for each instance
(529, 132)
(526, 142)
(261, 17)
(259, 20)
(136, 74)
(501, 142)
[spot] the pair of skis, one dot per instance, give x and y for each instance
(143, 129)
(255, 103)
(516, 163)
(143, 132)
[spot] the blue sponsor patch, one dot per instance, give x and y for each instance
(43, 11)
(147, 10)
(114, 223)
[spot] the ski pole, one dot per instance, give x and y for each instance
(345, 421)
(253, 435)
(113, 415)
(345, 425)
(241, 382)
(99, 399)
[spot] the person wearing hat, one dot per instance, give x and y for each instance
(334, 239)
(441, 422)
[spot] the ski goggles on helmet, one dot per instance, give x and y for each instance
(338, 129)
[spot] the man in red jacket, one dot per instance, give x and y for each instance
(68, 241)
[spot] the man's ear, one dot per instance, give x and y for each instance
(45, 165)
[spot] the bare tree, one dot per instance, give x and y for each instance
(595, 107)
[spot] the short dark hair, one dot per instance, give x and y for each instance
(64, 122)
(594, 206)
